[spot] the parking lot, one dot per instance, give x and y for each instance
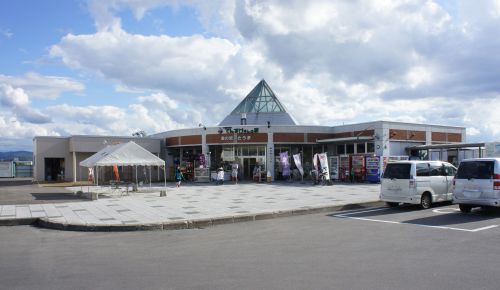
(447, 217)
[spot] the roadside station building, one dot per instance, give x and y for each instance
(254, 134)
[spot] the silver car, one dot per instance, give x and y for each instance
(417, 182)
(477, 183)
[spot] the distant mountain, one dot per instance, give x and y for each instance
(20, 155)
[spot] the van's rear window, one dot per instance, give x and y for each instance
(476, 170)
(398, 171)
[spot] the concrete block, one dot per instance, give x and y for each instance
(94, 195)
(163, 193)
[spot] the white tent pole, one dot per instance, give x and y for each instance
(97, 174)
(149, 176)
(136, 183)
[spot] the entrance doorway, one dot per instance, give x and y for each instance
(248, 166)
(54, 169)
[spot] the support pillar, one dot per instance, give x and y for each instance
(74, 166)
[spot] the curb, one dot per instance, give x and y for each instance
(18, 222)
(186, 224)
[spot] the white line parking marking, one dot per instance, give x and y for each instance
(445, 210)
(347, 215)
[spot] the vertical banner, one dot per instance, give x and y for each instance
(298, 163)
(115, 171)
(315, 162)
(284, 163)
(323, 162)
(202, 160)
(334, 167)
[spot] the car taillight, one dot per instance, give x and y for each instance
(496, 182)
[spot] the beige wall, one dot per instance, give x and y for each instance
(50, 147)
(84, 147)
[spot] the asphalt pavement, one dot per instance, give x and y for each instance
(318, 251)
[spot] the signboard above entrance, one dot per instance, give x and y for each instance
(237, 138)
(230, 130)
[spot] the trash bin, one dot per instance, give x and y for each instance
(269, 176)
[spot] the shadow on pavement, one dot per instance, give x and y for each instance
(55, 196)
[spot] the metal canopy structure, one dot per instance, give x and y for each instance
(446, 146)
(124, 154)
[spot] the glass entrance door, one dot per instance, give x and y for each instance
(248, 166)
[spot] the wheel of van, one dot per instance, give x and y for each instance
(426, 201)
(465, 208)
(392, 204)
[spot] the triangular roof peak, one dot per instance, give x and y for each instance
(261, 99)
(260, 107)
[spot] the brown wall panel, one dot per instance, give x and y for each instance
(398, 134)
(365, 133)
(416, 135)
(191, 140)
(288, 137)
(454, 137)
(439, 136)
(172, 141)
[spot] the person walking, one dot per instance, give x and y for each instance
(178, 176)
(234, 172)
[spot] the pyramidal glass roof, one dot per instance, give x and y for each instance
(260, 100)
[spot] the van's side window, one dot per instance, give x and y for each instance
(436, 170)
(422, 169)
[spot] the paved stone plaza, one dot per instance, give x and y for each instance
(206, 204)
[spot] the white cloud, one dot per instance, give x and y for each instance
(330, 62)
(15, 101)
(189, 65)
(42, 86)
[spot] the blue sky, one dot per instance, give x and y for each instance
(117, 66)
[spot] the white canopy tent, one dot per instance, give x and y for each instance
(124, 154)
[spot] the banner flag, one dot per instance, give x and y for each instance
(91, 174)
(284, 163)
(298, 163)
(323, 161)
(315, 162)
(115, 171)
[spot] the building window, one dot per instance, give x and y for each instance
(340, 149)
(360, 148)
(350, 148)
(370, 147)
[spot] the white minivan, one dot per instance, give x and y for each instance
(417, 182)
(477, 183)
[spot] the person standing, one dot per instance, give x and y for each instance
(234, 172)
(220, 176)
(178, 176)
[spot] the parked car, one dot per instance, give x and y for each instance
(477, 183)
(417, 182)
